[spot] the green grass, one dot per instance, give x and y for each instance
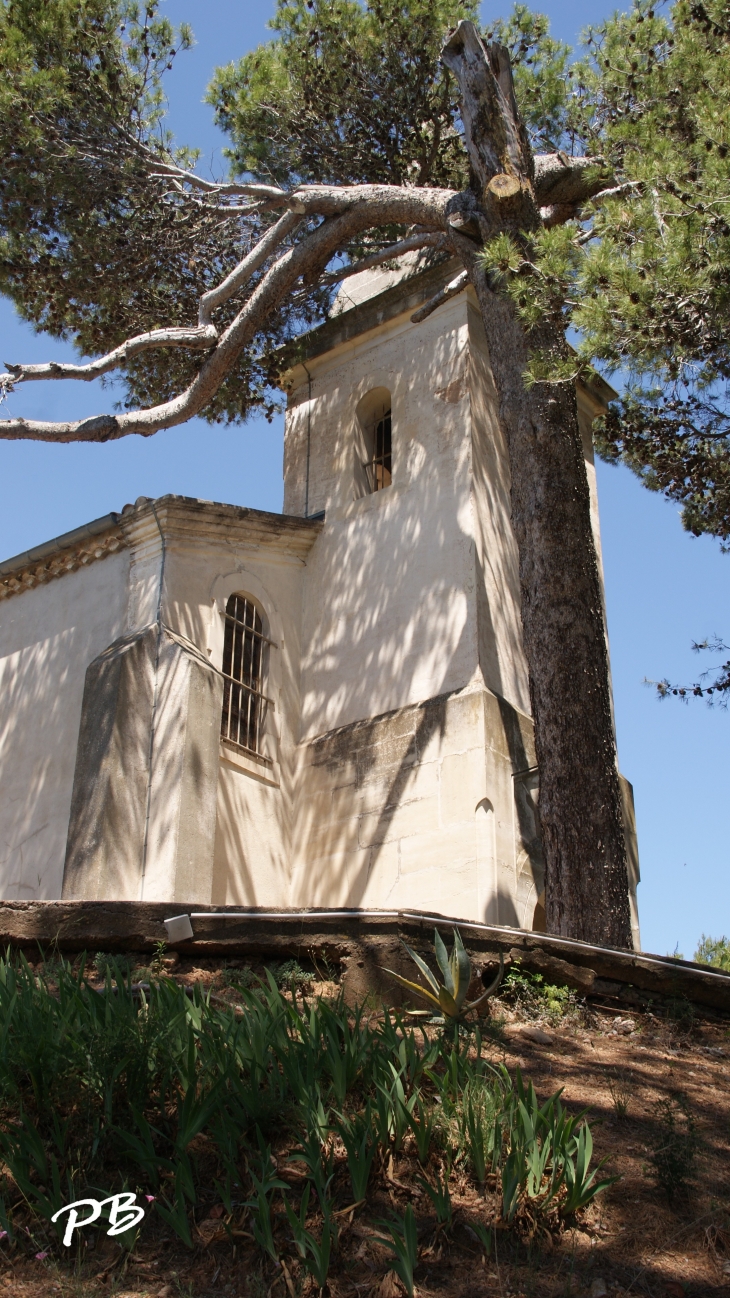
(186, 1100)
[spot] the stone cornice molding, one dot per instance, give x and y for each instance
(183, 518)
(180, 518)
(374, 313)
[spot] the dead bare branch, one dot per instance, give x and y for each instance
(347, 212)
(200, 338)
(239, 277)
(451, 289)
(159, 169)
(617, 191)
(413, 243)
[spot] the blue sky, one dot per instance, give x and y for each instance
(664, 588)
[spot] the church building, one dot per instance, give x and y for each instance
(328, 707)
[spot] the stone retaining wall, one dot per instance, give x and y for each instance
(361, 943)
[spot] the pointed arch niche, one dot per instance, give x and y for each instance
(487, 896)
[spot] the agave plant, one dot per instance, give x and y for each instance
(449, 997)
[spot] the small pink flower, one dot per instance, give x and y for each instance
(3, 1234)
(41, 1257)
(150, 1198)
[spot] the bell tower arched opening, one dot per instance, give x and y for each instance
(373, 443)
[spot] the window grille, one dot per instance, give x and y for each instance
(379, 468)
(244, 703)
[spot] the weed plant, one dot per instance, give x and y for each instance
(403, 1241)
(240, 979)
(104, 964)
(288, 1114)
(289, 975)
(537, 999)
(621, 1087)
(681, 1014)
(676, 1146)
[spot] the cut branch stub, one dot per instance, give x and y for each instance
(514, 203)
(494, 133)
(503, 186)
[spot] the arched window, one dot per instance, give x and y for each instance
(380, 468)
(244, 646)
(374, 443)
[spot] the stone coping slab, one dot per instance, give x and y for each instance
(362, 941)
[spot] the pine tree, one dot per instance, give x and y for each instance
(643, 273)
(356, 135)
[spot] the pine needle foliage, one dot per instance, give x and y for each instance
(641, 274)
(91, 248)
(347, 93)
(94, 249)
(714, 951)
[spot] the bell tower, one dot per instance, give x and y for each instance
(417, 777)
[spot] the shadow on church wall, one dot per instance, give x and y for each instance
(48, 635)
(410, 596)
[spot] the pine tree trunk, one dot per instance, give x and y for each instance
(586, 887)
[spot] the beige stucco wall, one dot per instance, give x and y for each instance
(417, 785)
(415, 809)
(48, 636)
(180, 562)
(206, 560)
(409, 590)
(398, 766)
(411, 609)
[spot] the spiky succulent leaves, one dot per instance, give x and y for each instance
(491, 989)
(440, 997)
(431, 996)
(416, 988)
(423, 967)
(448, 1005)
(460, 970)
(456, 971)
(443, 961)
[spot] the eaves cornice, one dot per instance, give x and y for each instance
(66, 553)
(180, 518)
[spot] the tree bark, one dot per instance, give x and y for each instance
(562, 608)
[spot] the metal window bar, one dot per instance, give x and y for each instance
(244, 703)
(379, 470)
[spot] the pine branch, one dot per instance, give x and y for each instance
(347, 211)
(719, 685)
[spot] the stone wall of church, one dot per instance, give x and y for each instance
(396, 766)
(212, 552)
(418, 809)
(143, 811)
(411, 616)
(389, 615)
(110, 712)
(48, 636)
